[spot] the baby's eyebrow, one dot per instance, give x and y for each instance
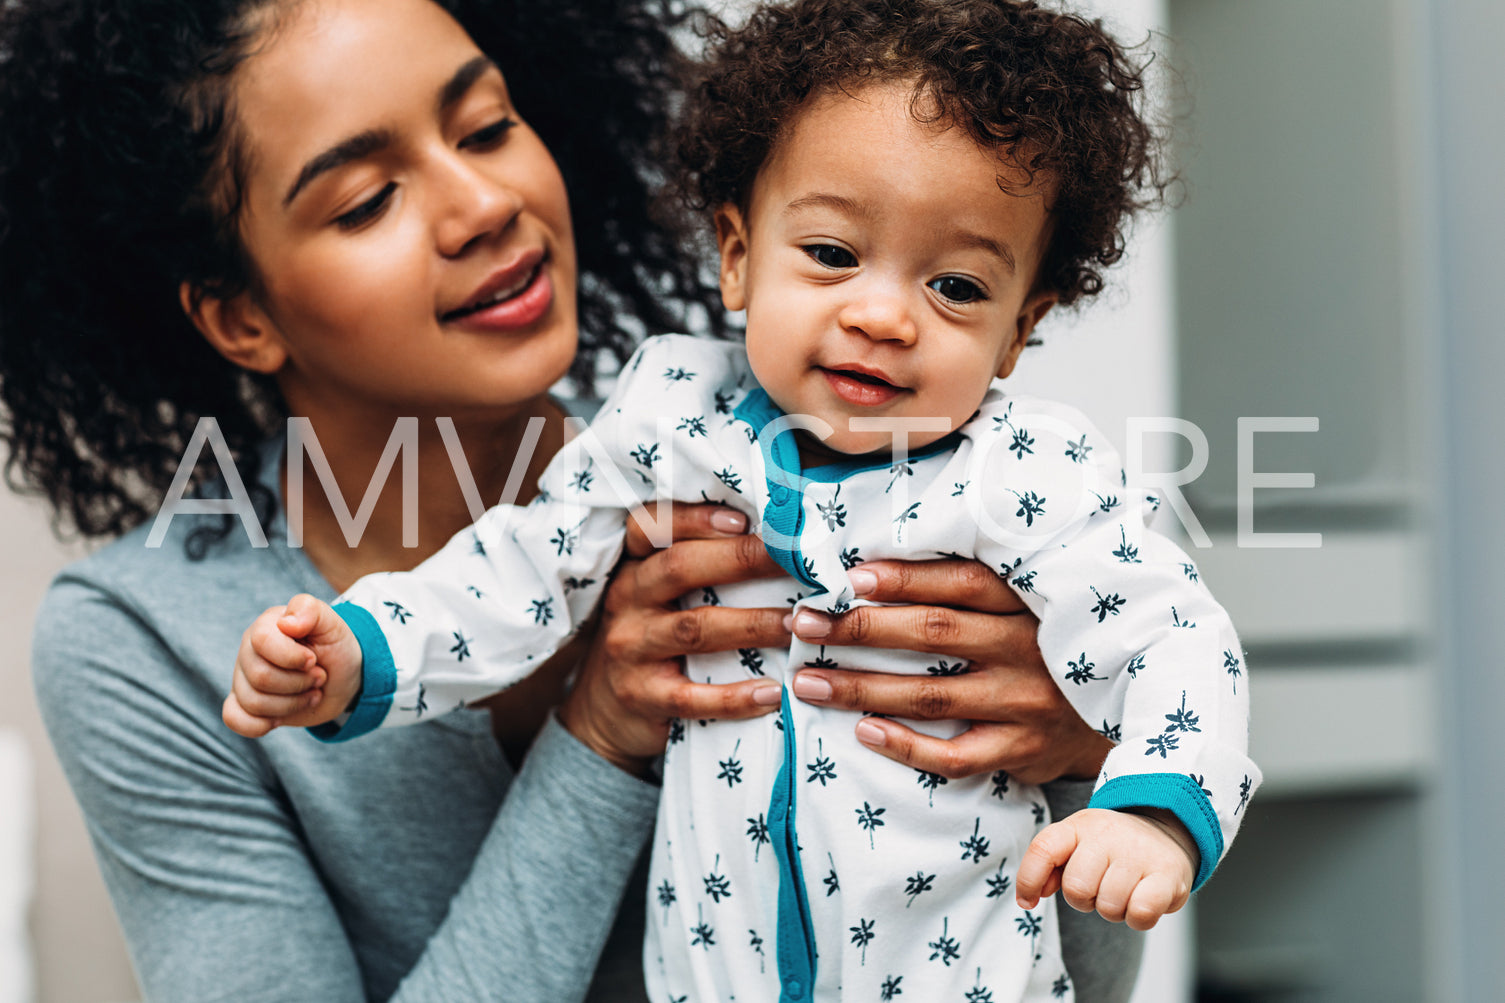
(825, 200)
(983, 242)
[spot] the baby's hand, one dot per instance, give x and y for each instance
(298, 665)
(1126, 866)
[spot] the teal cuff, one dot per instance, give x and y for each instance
(1177, 794)
(378, 679)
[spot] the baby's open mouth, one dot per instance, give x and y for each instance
(861, 377)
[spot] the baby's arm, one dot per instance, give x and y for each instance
(298, 665)
(1130, 633)
(1130, 867)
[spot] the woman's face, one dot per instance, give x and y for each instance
(410, 233)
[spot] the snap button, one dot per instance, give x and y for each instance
(794, 989)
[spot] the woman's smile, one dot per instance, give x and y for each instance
(515, 296)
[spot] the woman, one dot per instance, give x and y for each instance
(246, 210)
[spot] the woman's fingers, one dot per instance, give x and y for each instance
(938, 630)
(671, 695)
(1002, 691)
(982, 748)
(965, 584)
(1021, 749)
(664, 576)
(672, 633)
(689, 522)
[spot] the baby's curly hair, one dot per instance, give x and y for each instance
(1054, 91)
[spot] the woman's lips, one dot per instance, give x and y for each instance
(524, 308)
(861, 389)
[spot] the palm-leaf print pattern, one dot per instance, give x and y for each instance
(898, 865)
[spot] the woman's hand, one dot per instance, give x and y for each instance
(1022, 723)
(632, 684)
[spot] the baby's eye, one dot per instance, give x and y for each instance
(831, 256)
(957, 289)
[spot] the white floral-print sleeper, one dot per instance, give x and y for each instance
(789, 862)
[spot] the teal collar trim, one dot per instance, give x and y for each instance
(784, 515)
(782, 454)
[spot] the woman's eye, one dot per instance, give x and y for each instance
(831, 256)
(489, 136)
(957, 290)
(367, 210)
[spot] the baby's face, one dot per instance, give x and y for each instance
(884, 272)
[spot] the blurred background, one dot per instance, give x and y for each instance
(1331, 260)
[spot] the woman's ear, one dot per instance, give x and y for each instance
(1030, 314)
(731, 240)
(236, 327)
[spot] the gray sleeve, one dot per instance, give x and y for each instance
(215, 886)
(1102, 958)
(546, 882)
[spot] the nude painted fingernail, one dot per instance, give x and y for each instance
(789, 622)
(768, 694)
(870, 734)
(808, 687)
(862, 581)
(726, 521)
(811, 625)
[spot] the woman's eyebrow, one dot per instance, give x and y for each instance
(464, 78)
(371, 141)
(359, 146)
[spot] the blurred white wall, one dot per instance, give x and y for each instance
(17, 842)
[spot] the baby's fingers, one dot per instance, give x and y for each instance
(1040, 871)
(1113, 893)
(264, 677)
(242, 723)
(310, 619)
(1156, 894)
(275, 705)
(264, 642)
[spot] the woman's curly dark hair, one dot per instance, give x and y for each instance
(1054, 91)
(120, 165)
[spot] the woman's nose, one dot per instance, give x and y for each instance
(472, 205)
(881, 313)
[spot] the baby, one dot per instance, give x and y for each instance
(901, 190)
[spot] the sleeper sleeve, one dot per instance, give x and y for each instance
(1129, 632)
(504, 595)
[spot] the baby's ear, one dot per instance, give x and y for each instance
(236, 327)
(731, 240)
(1034, 309)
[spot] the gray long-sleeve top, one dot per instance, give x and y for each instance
(253, 871)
